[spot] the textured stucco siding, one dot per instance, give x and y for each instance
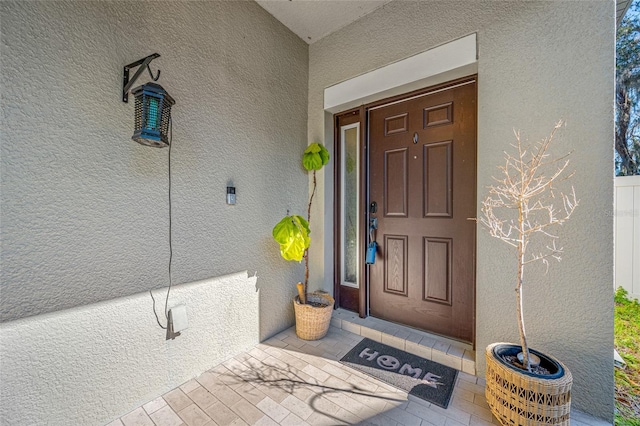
(538, 62)
(93, 363)
(85, 209)
(84, 227)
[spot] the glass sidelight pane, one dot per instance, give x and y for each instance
(349, 207)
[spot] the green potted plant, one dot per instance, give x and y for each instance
(312, 311)
(525, 386)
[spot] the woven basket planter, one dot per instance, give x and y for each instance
(517, 397)
(312, 323)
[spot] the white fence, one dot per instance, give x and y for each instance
(627, 233)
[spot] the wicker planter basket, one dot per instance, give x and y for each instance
(518, 398)
(313, 323)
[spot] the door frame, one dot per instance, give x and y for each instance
(350, 296)
(363, 196)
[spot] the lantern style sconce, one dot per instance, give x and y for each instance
(153, 112)
(153, 106)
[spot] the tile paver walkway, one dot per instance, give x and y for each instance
(288, 381)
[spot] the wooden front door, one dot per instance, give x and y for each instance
(422, 177)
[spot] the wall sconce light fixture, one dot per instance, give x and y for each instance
(153, 106)
(153, 112)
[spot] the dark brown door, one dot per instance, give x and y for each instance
(423, 180)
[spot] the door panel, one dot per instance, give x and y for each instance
(422, 169)
(438, 170)
(437, 270)
(395, 183)
(396, 124)
(395, 280)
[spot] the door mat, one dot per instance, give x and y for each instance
(425, 379)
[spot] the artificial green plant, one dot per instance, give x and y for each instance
(293, 232)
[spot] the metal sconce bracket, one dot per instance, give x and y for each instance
(142, 64)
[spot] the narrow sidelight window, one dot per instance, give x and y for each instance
(349, 214)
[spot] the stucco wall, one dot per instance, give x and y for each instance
(91, 364)
(538, 62)
(84, 227)
(85, 209)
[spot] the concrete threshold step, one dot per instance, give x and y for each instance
(445, 351)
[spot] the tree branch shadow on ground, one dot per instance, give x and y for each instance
(275, 374)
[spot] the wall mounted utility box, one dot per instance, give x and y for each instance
(178, 317)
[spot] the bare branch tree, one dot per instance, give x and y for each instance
(519, 210)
